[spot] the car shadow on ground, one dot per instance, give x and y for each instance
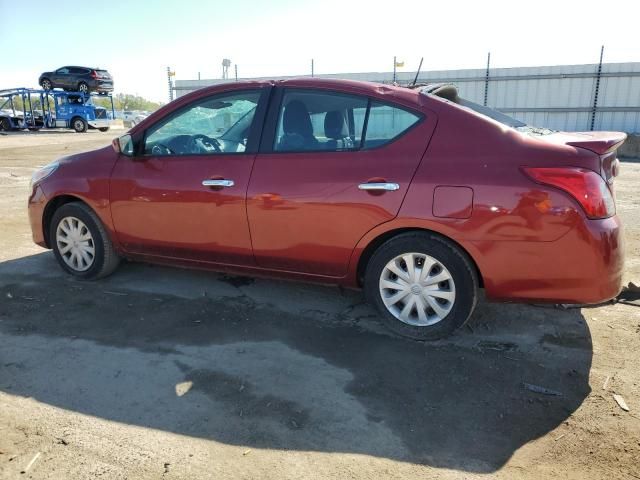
(268, 364)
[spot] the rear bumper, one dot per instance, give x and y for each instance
(101, 85)
(37, 202)
(584, 266)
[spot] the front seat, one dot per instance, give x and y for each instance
(298, 131)
(335, 129)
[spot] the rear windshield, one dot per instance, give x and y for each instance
(491, 113)
(450, 92)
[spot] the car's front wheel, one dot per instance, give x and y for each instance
(80, 242)
(46, 84)
(83, 87)
(423, 286)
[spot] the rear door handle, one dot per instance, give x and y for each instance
(218, 183)
(390, 187)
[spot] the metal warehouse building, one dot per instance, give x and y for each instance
(561, 97)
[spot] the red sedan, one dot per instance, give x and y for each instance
(416, 195)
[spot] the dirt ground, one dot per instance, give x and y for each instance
(167, 373)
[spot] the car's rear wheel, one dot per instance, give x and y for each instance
(80, 125)
(83, 87)
(5, 125)
(104, 129)
(423, 286)
(80, 242)
(46, 84)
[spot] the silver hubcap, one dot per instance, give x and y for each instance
(78, 125)
(417, 289)
(46, 85)
(75, 244)
(83, 88)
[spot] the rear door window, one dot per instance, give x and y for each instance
(320, 121)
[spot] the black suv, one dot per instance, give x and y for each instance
(78, 79)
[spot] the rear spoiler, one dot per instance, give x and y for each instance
(600, 142)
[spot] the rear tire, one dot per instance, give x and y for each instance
(46, 84)
(80, 242)
(83, 87)
(79, 124)
(104, 129)
(5, 125)
(437, 285)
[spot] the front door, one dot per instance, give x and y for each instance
(183, 195)
(337, 166)
(61, 78)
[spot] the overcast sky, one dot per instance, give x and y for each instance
(136, 40)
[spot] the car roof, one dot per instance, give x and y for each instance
(79, 66)
(347, 86)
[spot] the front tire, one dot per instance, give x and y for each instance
(80, 125)
(80, 242)
(423, 286)
(46, 84)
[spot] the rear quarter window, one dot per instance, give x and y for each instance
(386, 123)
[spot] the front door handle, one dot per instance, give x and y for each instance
(218, 183)
(390, 187)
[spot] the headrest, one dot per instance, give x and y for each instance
(296, 119)
(335, 125)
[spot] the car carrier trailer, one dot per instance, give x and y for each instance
(32, 109)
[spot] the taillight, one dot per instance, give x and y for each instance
(586, 186)
(94, 74)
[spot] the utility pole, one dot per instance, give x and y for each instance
(594, 109)
(235, 65)
(486, 79)
(312, 67)
(198, 75)
(394, 69)
(169, 75)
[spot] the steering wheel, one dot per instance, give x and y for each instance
(203, 144)
(159, 149)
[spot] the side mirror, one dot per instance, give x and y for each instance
(123, 145)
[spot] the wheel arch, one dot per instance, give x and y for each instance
(51, 207)
(377, 241)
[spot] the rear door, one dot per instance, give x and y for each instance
(78, 74)
(332, 166)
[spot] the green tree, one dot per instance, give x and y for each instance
(125, 101)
